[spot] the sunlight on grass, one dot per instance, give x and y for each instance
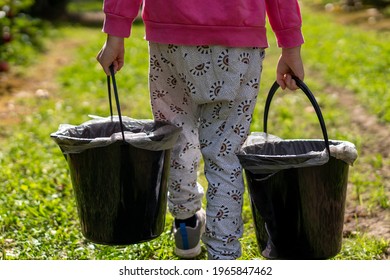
(350, 58)
(77, 6)
(362, 247)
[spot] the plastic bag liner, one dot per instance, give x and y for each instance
(264, 153)
(102, 132)
(120, 187)
(297, 192)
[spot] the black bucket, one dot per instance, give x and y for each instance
(300, 211)
(119, 171)
(120, 192)
(297, 190)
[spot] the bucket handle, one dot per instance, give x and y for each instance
(118, 107)
(313, 101)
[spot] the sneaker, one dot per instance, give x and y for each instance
(187, 238)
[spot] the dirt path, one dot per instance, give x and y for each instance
(375, 222)
(39, 82)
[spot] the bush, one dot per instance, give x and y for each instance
(49, 9)
(354, 3)
(377, 3)
(20, 34)
(359, 3)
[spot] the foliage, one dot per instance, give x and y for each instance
(21, 34)
(377, 3)
(353, 4)
(77, 6)
(50, 9)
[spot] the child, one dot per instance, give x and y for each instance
(205, 66)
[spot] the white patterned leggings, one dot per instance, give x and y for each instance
(209, 91)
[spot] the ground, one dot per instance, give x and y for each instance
(375, 222)
(377, 134)
(40, 82)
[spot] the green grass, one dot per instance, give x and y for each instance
(77, 6)
(351, 58)
(38, 218)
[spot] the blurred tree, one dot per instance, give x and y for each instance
(20, 34)
(49, 9)
(377, 3)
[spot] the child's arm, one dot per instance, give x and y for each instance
(285, 19)
(119, 16)
(112, 52)
(290, 63)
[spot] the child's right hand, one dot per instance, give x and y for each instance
(112, 52)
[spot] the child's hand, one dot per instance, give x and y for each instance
(113, 52)
(290, 63)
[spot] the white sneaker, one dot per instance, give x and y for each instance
(188, 239)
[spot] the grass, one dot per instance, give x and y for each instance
(77, 6)
(363, 68)
(38, 218)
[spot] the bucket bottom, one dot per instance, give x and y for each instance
(299, 213)
(121, 193)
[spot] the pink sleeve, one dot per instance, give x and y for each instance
(285, 19)
(120, 14)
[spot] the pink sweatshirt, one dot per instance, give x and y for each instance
(232, 23)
